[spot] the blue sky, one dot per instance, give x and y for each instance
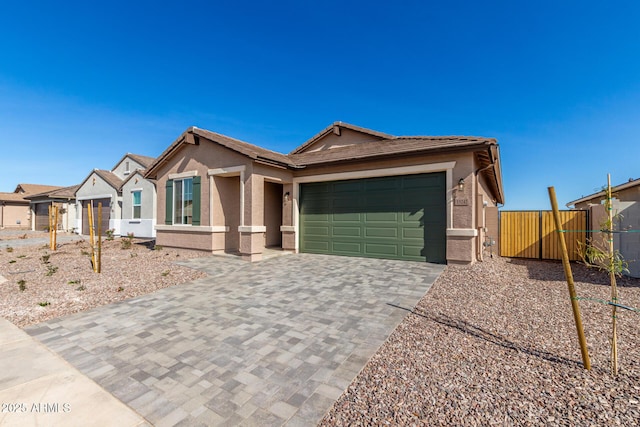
(557, 83)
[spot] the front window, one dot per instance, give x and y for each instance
(183, 201)
(136, 197)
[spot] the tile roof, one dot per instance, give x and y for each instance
(35, 188)
(245, 148)
(111, 178)
(387, 147)
(145, 161)
(63, 193)
(12, 197)
(600, 194)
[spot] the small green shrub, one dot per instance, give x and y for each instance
(9, 249)
(73, 282)
(165, 273)
(43, 304)
(157, 248)
(120, 289)
(51, 269)
(45, 258)
(83, 252)
(12, 261)
(22, 256)
(22, 285)
(109, 233)
(127, 242)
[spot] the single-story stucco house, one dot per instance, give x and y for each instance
(14, 207)
(346, 191)
(64, 198)
(626, 208)
(125, 211)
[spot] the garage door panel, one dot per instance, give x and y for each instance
(385, 232)
(347, 217)
(381, 249)
(347, 187)
(316, 246)
(381, 184)
(391, 217)
(381, 216)
(346, 248)
(346, 231)
(317, 231)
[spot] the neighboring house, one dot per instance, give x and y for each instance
(106, 187)
(346, 191)
(626, 208)
(14, 211)
(64, 198)
(14, 208)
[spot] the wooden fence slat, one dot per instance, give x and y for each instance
(531, 234)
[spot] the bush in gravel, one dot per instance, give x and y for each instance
(43, 304)
(9, 249)
(109, 233)
(51, 269)
(157, 248)
(45, 258)
(120, 289)
(127, 242)
(22, 285)
(12, 261)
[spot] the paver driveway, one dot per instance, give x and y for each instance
(269, 343)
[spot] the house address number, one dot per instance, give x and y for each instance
(461, 202)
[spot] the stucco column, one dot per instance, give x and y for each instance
(252, 232)
(288, 228)
(461, 238)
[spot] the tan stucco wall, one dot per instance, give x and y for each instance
(15, 215)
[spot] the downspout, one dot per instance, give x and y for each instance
(1, 215)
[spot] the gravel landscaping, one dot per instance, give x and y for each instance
(42, 284)
(495, 344)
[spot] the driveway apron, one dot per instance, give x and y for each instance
(269, 343)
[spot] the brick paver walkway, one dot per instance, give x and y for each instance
(269, 343)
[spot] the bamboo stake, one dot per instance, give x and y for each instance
(50, 229)
(570, 284)
(99, 237)
(91, 236)
(55, 228)
(614, 289)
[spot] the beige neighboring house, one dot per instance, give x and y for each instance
(346, 191)
(626, 207)
(64, 198)
(106, 187)
(14, 207)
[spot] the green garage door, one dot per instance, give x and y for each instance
(400, 217)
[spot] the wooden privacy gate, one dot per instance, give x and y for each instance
(531, 234)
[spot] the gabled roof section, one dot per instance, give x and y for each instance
(336, 129)
(596, 197)
(137, 172)
(61, 193)
(145, 161)
(394, 146)
(194, 136)
(35, 188)
(109, 177)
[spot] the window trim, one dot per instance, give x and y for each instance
(133, 203)
(182, 205)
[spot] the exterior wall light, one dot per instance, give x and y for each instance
(461, 184)
(286, 196)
